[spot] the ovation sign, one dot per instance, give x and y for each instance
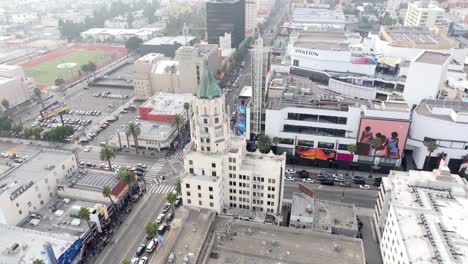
(306, 52)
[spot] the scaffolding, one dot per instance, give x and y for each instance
(257, 85)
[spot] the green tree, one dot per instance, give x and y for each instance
(264, 143)
(178, 120)
(59, 134)
(92, 67)
(151, 230)
(38, 261)
(171, 198)
(107, 192)
(36, 132)
(126, 261)
(6, 105)
(106, 154)
(135, 131)
(133, 43)
(431, 146)
(376, 143)
(274, 142)
(352, 148)
(38, 94)
(126, 177)
(85, 68)
(59, 81)
(84, 215)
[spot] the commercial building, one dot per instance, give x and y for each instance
(446, 123)
(26, 188)
(118, 34)
(330, 52)
(427, 74)
(166, 45)
(248, 242)
(250, 17)
(304, 18)
(138, 21)
(22, 245)
(154, 73)
(336, 218)
(157, 117)
(315, 126)
(15, 87)
(219, 173)
(423, 13)
(419, 217)
(225, 16)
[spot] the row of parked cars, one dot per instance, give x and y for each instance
(95, 131)
(326, 178)
(82, 112)
(14, 157)
(163, 220)
(111, 95)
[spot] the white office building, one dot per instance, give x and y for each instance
(141, 74)
(423, 13)
(15, 87)
(219, 173)
(304, 18)
(420, 217)
(118, 34)
(26, 188)
(250, 17)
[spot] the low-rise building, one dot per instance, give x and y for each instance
(304, 18)
(419, 217)
(138, 21)
(166, 45)
(118, 34)
(423, 13)
(15, 87)
(26, 188)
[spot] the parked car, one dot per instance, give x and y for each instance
(289, 178)
(151, 245)
(166, 208)
(303, 174)
(140, 250)
(143, 260)
(327, 181)
(290, 171)
(178, 201)
(364, 187)
(308, 180)
(169, 216)
(345, 184)
(359, 181)
(134, 260)
(160, 218)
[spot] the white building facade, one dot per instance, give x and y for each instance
(219, 173)
(423, 13)
(250, 17)
(15, 87)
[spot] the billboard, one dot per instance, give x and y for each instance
(363, 60)
(391, 133)
(54, 109)
(240, 120)
(315, 153)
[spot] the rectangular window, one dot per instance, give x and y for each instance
(199, 187)
(188, 193)
(343, 146)
(191, 170)
(190, 162)
(213, 173)
(213, 165)
(326, 145)
(206, 130)
(211, 196)
(216, 120)
(207, 148)
(211, 205)
(207, 140)
(200, 203)
(205, 120)
(210, 189)
(199, 195)
(187, 185)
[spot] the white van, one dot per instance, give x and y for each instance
(151, 246)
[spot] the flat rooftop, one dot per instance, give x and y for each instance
(246, 242)
(431, 210)
(335, 214)
(431, 57)
(154, 131)
(31, 244)
(205, 48)
(167, 104)
(121, 31)
(165, 66)
(446, 110)
(91, 180)
(55, 217)
(414, 36)
(315, 15)
(31, 170)
(170, 40)
(150, 57)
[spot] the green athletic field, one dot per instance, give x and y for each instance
(46, 73)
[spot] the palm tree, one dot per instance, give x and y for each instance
(84, 214)
(171, 198)
(151, 230)
(38, 94)
(264, 143)
(134, 130)
(376, 143)
(178, 120)
(431, 146)
(38, 261)
(126, 177)
(106, 154)
(126, 261)
(275, 141)
(107, 192)
(178, 187)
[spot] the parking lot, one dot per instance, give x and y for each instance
(123, 76)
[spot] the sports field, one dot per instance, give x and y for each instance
(66, 63)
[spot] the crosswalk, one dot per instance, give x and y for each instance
(161, 188)
(152, 173)
(178, 154)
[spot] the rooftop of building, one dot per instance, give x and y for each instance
(60, 216)
(246, 91)
(93, 180)
(416, 37)
(32, 170)
(318, 15)
(447, 110)
(245, 242)
(30, 244)
(165, 66)
(323, 40)
(150, 57)
(427, 6)
(167, 103)
(208, 87)
(431, 57)
(121, 31)
(170, 40)
(204, 48)
(154, 131)
(431, 209)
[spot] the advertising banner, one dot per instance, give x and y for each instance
(392, 135)
(315, 153)
(240, 120)
(53, 109)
